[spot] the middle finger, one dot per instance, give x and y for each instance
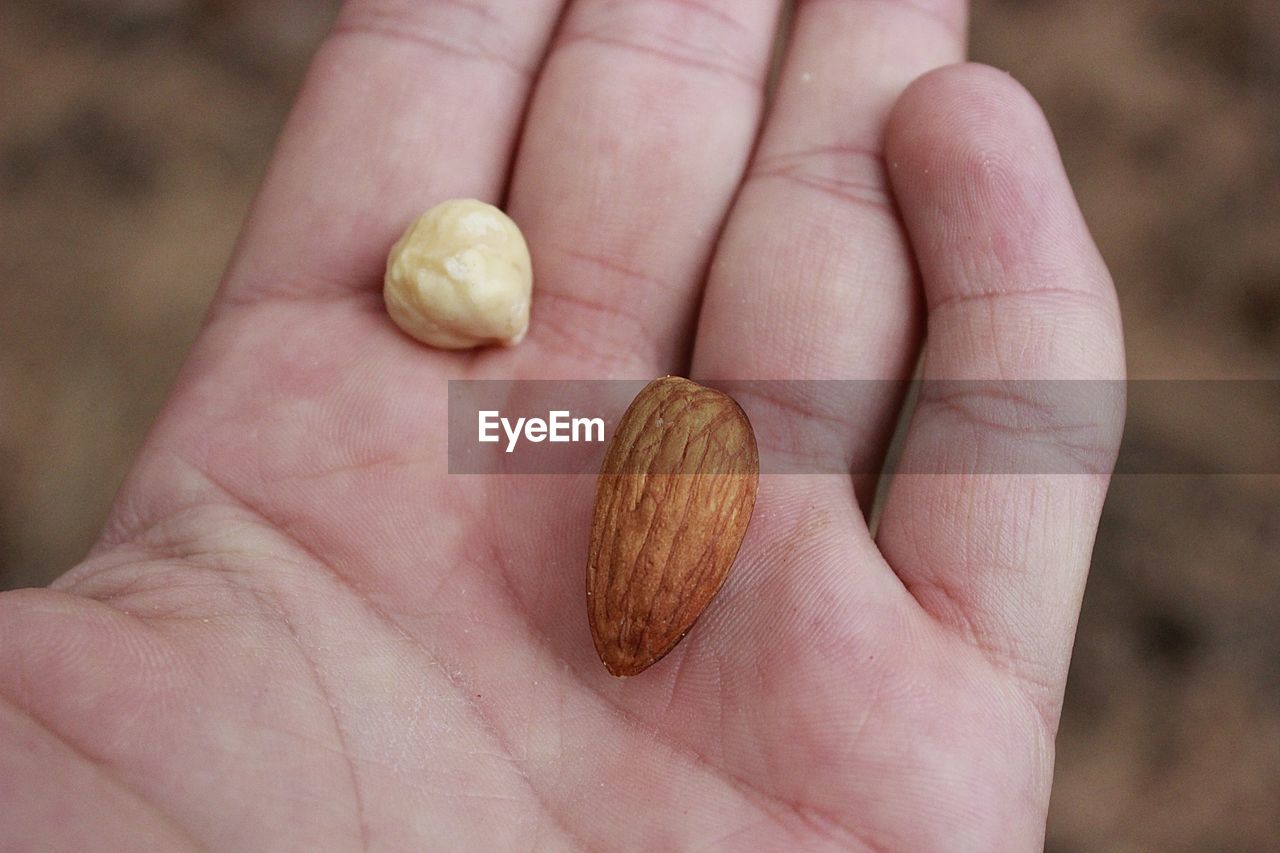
(637, 136)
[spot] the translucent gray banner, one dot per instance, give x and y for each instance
(844, 426)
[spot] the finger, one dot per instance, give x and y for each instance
(813, 279)
(406, 104)
(1015, 290)
(637, 137)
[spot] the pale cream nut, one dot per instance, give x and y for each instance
(461, 277)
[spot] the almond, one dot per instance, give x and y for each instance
(673, 501)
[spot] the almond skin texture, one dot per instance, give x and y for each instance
(674, 497)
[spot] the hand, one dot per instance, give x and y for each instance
(298, 631)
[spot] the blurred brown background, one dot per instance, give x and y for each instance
(133, 133)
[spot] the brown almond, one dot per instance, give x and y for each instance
(674, 497)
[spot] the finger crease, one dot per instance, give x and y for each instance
(921, 8)
(682, 58)
(1063, 293)
(707, 9)
(432, 42)
(572, 333)
(851, 174)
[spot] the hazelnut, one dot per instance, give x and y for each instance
(461, 277)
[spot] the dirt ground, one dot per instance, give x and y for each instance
(135, 131)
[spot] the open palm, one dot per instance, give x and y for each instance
(299, 631)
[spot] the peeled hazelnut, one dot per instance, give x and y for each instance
(461, 277)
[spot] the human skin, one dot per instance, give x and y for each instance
(298, 632)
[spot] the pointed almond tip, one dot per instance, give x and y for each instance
(625, 669)
(618, 663)
(617, 673)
